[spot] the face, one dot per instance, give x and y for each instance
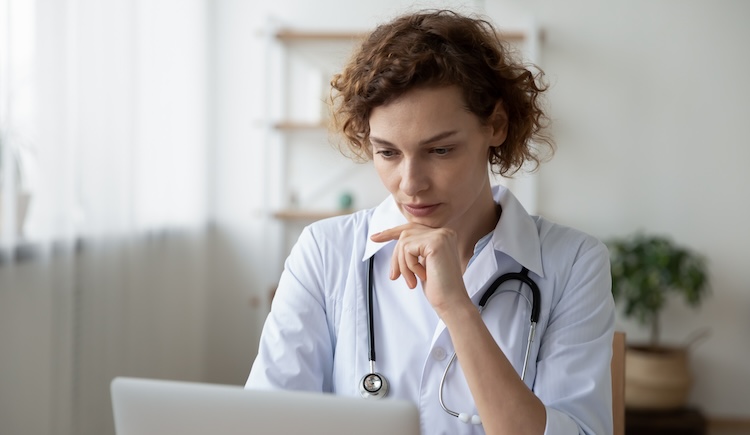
(432, 155)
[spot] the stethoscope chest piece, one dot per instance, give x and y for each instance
(373, 386)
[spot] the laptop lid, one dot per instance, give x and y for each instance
(151, 407)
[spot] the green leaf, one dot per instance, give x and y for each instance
(645, 268)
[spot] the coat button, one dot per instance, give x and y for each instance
(439, 353)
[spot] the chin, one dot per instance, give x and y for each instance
(428, 221)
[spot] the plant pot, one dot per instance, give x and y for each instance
(656, 378)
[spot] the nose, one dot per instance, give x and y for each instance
(414, 177)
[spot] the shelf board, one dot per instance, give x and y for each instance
(512, 35)
(292, 214)
(288, 35)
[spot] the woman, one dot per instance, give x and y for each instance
(432, 98)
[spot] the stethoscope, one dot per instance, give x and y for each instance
(375, 386)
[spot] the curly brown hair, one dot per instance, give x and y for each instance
(443, 48)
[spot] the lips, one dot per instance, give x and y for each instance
(418, 210)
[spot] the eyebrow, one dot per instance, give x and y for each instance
(437, 137)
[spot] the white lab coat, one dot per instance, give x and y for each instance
(316, 337)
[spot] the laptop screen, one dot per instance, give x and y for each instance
(150, 407)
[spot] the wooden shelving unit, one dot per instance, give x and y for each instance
(311, 41)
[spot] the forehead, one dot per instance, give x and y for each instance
(422, 111)
(423, 97)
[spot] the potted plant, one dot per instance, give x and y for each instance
(646, 269)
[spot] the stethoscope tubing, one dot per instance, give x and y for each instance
(373, 385)
(370, 316)
(529, 340)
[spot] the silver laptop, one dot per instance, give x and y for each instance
(151, 407)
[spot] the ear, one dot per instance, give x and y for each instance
(498, 123)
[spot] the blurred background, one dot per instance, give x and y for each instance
(158, 158)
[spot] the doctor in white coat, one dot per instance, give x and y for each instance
(433, 99)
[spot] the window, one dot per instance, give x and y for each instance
(104, 117)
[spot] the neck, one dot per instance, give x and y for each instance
(486, 221)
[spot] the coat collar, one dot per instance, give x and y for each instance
(516, 233)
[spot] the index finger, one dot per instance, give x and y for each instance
(389, 234)
(395, 232)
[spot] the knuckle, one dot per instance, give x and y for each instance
(447, 232)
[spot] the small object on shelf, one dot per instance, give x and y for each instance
(293, 199)
(346, 200)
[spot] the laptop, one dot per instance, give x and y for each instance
(151, 407)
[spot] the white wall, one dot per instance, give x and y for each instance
(653, 105)
(649, 99)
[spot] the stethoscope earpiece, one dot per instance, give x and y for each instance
(466, 418)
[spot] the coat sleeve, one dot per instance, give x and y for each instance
(573, 368)
(296, 345)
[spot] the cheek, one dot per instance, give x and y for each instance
(470, 175)
(387, 174)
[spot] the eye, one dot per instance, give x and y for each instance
(386, 153)
(441, 151)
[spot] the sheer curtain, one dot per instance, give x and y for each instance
(122, 102)
(104, 129)
(103, 112)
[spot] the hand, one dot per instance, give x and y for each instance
(430, 255)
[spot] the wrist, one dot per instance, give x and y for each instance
(458, 312)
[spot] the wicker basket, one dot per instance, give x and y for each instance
(657, 378)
